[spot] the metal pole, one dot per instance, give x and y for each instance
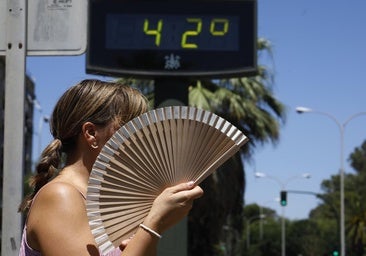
(248, 227)
(341, 177)
(248, 235)
(283, 233)
(14, 125)
(170, 92)
(261, 222)
(42, 119)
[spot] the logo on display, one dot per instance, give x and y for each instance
(172, 61)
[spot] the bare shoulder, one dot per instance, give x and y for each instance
(58, 192)
(57, 207)
(57, 199)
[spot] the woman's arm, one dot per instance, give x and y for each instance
(58, 223)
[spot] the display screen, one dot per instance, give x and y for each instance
(188, 38)
(172, 32)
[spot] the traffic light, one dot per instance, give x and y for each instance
(283, 198)
(335, 253)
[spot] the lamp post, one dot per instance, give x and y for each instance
(261, 213)
(260, 217)
(42, 119)
(341, 127)
(283, 188)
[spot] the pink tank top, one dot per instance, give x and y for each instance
(26, 250)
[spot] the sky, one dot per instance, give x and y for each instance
(319, 62)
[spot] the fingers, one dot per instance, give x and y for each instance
(182, 186)
(184, 194)
(196, 192)
(185, 191)
(172, 205)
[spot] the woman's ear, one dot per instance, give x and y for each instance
(89, 131)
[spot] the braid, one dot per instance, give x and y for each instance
(46, 169)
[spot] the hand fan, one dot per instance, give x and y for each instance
(160, 148)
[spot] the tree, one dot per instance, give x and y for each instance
(303, 238)
(356, 201)
(355, 206)
(263, 233)
(249, 104)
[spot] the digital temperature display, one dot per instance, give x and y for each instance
(172, 32)
(186, 38)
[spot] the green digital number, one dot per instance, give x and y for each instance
(224, 27)
(218, 27)
(154, 32)
(190, 33)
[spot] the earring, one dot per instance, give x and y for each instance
(94, 145)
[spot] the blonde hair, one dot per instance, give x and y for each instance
(93, 101)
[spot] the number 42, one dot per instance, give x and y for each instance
(188, 33)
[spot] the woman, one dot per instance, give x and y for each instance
(83, 120)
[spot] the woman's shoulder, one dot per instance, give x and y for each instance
(58, 191)
(55, 205)
(57, 198)
(57, 208)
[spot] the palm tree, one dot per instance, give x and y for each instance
(249, 104)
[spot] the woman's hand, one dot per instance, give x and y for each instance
(172, 205)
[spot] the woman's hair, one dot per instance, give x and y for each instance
(93, 101)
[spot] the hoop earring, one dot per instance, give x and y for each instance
(94, 145)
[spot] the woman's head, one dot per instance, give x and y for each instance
(91, 101)
(97, 102)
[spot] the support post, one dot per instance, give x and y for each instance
(13, 165)
(173, 92)
(283, 232)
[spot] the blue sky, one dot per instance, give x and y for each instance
(319, 62)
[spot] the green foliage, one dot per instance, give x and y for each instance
(303, 238)
(247, 102)
(319, 235)
(264, 234)
(355, 206)
(356, 202)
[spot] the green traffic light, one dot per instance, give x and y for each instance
(335, 253)
(283, 196)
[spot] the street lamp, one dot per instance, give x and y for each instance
(260, 217)
(42, 119)
(341, 127)
(261, 213)
(283, 188)
(281, 183)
